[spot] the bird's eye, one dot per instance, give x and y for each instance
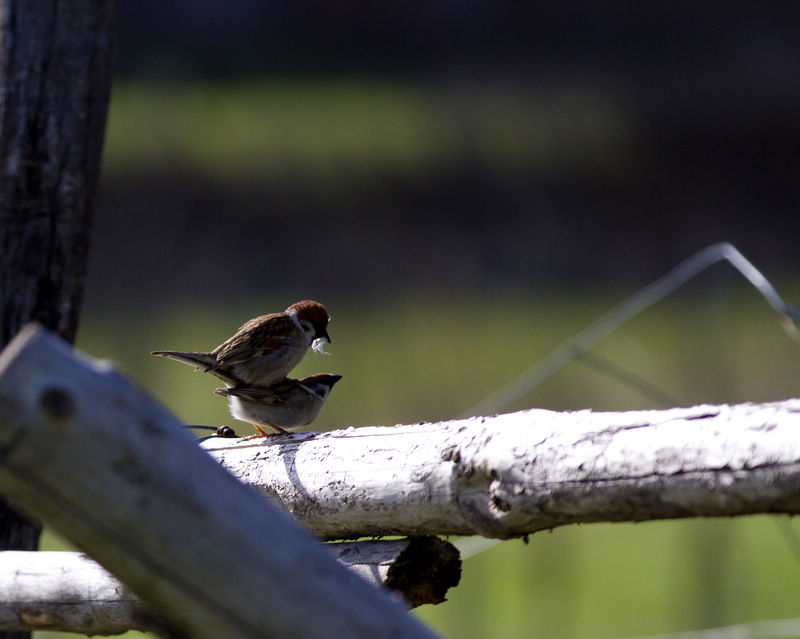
(307, 327)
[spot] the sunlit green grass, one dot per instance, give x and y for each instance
(331, 130)
(430, 359)
(620, 580)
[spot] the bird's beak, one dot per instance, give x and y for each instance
(324, 335)
(334, 379)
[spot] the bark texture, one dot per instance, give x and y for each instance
(511, 475)
(113, 472)
(69, 591)
(55, 78)
(66, 591)
(420, 569)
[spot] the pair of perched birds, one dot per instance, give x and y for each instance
(255, 362)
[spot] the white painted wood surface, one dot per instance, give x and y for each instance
(87, 453)
(515, 474)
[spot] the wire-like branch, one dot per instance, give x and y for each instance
(630, 307)
(762, 629)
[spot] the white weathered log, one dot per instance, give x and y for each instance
(66, 591)
(515, 474)
(106, 466)
(69, 591)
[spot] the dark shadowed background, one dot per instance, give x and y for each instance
(465, 185)
(381, 148)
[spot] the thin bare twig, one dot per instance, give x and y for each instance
(632, 306)
(766, 629)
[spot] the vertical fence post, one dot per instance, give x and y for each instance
(55, 78)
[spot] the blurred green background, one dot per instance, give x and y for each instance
(466, 186)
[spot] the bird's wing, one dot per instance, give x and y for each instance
(257, 338)
(277, 394)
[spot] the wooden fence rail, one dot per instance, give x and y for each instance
(515, 474)
(95, 458)
(89, 454)
(70, 591)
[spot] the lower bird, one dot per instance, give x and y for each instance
(285, 405)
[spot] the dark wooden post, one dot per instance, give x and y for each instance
(55, 79)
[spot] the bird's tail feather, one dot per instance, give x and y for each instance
(201, 361)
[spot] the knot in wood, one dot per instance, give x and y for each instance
(57, 403)
(451, 454)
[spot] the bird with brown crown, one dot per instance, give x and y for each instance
(265, 348)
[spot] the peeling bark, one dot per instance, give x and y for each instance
(512, 475)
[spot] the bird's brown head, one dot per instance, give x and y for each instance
(313, 317)
(323, 378)
(321, 383)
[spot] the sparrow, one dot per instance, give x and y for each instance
(285, 405)
(265, 348)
